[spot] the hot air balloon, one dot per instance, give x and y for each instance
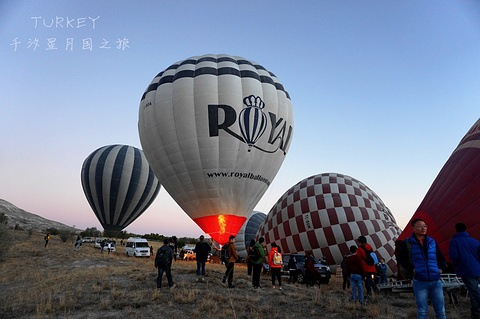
(325, 214)
(119, 185)
(454, 196)
(216, 129)
(248, 232)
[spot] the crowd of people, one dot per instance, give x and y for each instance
(419, 259)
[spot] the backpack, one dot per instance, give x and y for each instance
(254, 254)
(161, 260)
(225, 253)
(372, 258)
(277, 258)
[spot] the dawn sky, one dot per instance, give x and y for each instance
(382, 91)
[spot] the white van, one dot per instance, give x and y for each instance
(137, 247)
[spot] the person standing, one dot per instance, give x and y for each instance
(354, 270)
(102, 245)
(292, 270)
(275, 264)
(346, 278)
(163, 263)
(369, 271)
(420, 256)
(78, 242)
(173, 246)
(465, 255)
(249, 261)
(257, 264)
(46, 238)
(202, 249)
(230, 264)
(382, 271)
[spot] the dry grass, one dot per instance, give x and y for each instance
(38, 282)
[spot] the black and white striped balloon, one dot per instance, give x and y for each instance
(119, 185)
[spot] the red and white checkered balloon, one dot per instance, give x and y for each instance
(325, 214)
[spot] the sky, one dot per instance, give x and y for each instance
(382, 91)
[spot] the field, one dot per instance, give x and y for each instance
(58, 282)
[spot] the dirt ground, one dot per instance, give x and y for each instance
(58, 282)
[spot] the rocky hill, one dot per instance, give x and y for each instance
(20, 218)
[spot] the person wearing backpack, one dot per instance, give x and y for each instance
(420, 255)
(275, 264)
(163, 263)
(46, 238)
(230, 263)
(257, 254)
(369, 268)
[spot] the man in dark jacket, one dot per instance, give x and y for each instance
(201, 254)
(465, 255)
(163, 262)
(421, 256)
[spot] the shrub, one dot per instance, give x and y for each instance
(52, 231)
(4, 237)
(65, 234)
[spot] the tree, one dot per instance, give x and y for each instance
(91, 232)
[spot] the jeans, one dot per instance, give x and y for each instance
(257, 270)
(168, 272)
(474, 292)
(422, 290)
(201, 264)
(356, 282)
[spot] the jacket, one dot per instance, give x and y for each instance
(354, 265)
(465, 255)
(270, 258)
(232, 253)
(363, 255)
(262, 254)
(201, 251)
(426, 259)
(168, 251)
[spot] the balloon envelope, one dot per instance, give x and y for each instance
(248, 232)
(216, 129)
(119, 185)
(325, 214)
(454, 196)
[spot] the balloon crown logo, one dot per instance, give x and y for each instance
(254, 101)
(252, 120)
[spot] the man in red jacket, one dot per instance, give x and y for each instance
(368, 270)
(354, 270)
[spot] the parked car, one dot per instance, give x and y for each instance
(110, 246)
(137, 247)
(189, 255)
(87, 240)
(98, 242)
(323, 270)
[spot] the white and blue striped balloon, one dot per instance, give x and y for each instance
(119, 185)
